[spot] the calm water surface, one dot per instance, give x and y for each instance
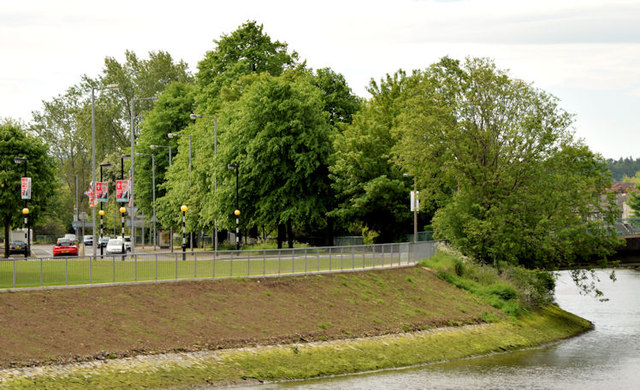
(606, 358)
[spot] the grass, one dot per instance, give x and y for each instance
(79, 271)
(304, 361)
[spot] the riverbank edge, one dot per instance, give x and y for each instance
(306, 360)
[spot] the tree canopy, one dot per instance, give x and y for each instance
(15, 142)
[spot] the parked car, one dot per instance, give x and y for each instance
(127, 242)
(65, 247)
(17, 247)
(87, 240)
(115, 246)
(72, 237)
(103, 241)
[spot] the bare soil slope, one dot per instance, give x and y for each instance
(54, 326)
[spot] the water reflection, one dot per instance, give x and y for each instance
(608, 357)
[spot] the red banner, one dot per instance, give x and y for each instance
(25, 188)
(122, 191)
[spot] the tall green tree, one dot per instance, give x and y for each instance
(339, 101)
(371, 190)
(14, 142)
(170, 114)
(524, 191)
(278, 135)
(245, 51)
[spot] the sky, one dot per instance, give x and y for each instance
(584, 52)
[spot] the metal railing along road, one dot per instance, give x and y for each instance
(90, 270)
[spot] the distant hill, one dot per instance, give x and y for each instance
(623, 167)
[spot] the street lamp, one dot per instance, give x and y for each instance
(172, 135)
(184, 209)
(133, 229)
(101, 212)
(122, 157)
(93, 151)
(414, 206)
(170, 228)
(236, 167)
(20, 160)
(153, 191)
(215, 176)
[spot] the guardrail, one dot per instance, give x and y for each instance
(89, 270)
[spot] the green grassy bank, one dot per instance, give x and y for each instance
(296, 327)
(301, 361)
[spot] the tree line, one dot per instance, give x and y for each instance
(499, 172)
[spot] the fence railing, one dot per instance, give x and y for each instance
(88, 270)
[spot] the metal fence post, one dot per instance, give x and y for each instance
(364, 252)
(90, 271)
(231, 265)
(248, 263)
(135, 268)
(176, 257)
(293, 261)
(279, 252)
(215, 254)
(330, 263)
(195, 265)
(341, 258)
(318, 258)
(156, 255)
(66, 271)
(41, 274)
(305, 260)
(264, 262)
(14, 273)
(114, 268)
(353, 257)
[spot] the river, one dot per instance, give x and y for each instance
(605, 358)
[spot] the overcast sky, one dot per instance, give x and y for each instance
(585, 52)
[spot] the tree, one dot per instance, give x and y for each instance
(371, 190)
(523, 190)
(170, 114)
(14, 142)
(245, 51)
(280, 138)
(339, 101)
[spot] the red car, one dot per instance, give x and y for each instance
(65, 247)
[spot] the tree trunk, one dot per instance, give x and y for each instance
(7, 227)
(290, 233)
(281, 234)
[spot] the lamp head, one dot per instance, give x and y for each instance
(171, 135)
(237, 213)
(101, 213)
(123, 210)
(25, 211)
(183, 208)
(195, 116)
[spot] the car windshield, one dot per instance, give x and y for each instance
(64, 243)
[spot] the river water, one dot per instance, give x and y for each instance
(605, 358)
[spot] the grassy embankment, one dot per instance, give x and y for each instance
(396, 303)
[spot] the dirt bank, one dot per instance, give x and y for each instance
(56, 326)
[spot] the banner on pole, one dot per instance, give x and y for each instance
(415, 200)
(26, 188)
(122, 190)
(102, 191)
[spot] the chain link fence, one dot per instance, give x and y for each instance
(147, 267)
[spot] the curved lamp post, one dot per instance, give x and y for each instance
(101, 213)
(154, 227)
(215, 176)
(93, 152)
(172, 135)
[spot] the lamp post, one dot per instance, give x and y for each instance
(101, 212)
(122, 211)
(93, 152)
(154, 187)
(184, 209)
(25, 210)
(172, 135)
(133, 229)
(236, 167)
(153, 192)
(122, 157)
(215, 176)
